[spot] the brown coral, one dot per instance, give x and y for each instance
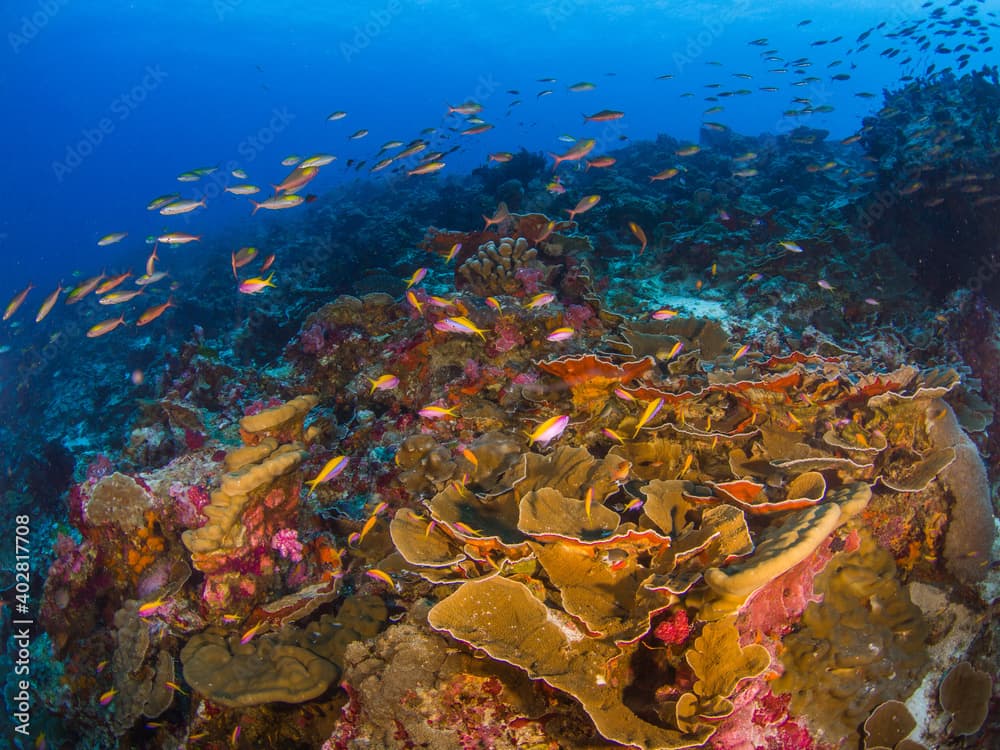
(493, 269)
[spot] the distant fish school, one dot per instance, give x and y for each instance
(913, 43)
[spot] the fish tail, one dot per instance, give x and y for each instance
(256, 206)
(557, 159)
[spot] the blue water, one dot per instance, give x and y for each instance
(109, 101)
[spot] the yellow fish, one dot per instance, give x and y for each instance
(652, 409)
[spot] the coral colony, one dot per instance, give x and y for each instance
(628, 479)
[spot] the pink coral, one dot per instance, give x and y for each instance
(760, 721)
(675, 629)
(286, 542)
(98, 468)
(776, 607)
(188, 502)
(508, 336)
(577, 316)
(530, 278)
(313, 338)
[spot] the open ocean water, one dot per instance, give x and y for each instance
(429, 374)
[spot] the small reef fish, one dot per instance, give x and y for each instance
(380, 575)
(824, 284)
(17, 301)
(437, 412)
(623, 394)
(556, 187)
(241, 257)
(149, 608)
(561, 334)
(460, 324)
(107, 696)
(477, 129)
(118, 298)
(688, 150)
(601, 162)
(609, 433)
(161, 201)
(317, 160)
(150, 278)
(579, 150)
(154, 312)
(81, 290)
(243, 189)
(540, 300)
(428, 168)
(453, 252)
(291, 161)
(605, 115)
(249, 634)
(417, 305)
(664, 314)
(357, 134)
(639, 235)
(174, 687)
(151, 262)
(332, 468)
(48, 304)
(501, 156)
(111, 283)
(585, 204)
(416, 278)
(383, 383)
(741, 352)
(501, 214)
(494, 303)
(338, 115)
(299, 177)
(178, 238)
(666, 174)
(651, 410)
(105, 326)
(289, 200)
(582, 86)
(110, 239)
(256, 285)
(548, 430)
(466, 108)
(181, 207)
(239, 174)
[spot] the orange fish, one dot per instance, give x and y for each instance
(584, 205)
(580, 149)
(298, 177)
(639, 235)
(501, 214)
(666, 174)
(151, 262)
(105, 326)
(48, 304)
(111, 283)
(431, 166)
(605, 115)
(601, 162)
(154, 312)
(17, 301)
(268, 262)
